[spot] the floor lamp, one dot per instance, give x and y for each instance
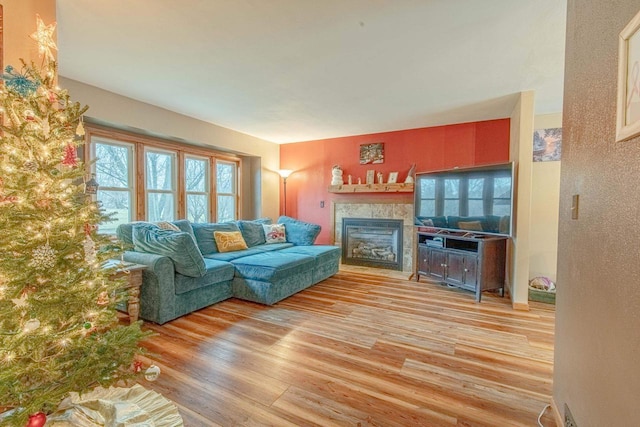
(284, 173)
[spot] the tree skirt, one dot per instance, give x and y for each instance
(116, 407)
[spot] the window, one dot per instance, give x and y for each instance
(502, 196)
(475, 200)
(147, 179)
(428, 197)
(196, 171)
(114, 173)
(226, 189)
(161, 188)
(451, 196)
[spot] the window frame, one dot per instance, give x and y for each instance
(131, 171)
(235, 185)
(207, 183)
(182, 150)
(174, 181)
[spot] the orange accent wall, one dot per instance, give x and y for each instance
(433, 148)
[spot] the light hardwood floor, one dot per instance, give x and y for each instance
(359, 350)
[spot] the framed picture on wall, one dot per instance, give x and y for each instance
(371, 153)
(393, 177)
(547, 144)
(628, 111)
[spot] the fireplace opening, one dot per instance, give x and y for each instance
(372, 242)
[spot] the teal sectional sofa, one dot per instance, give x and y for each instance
(187, 270)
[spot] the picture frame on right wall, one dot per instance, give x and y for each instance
(628, 102)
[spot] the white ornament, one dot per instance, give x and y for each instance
(20, 302)
(336, 175)
(89, 250)
(31, 325)
(44, 257)
(152, 373)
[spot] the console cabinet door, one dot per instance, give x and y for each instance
(462, 269)
(423, 260)
(437, 263)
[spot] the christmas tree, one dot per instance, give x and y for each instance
(59, 330)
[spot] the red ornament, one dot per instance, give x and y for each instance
(70, 156)
(137, 366)
(37, 420)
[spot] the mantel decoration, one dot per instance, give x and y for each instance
(371, 153)
(628, 103)
(59, 330)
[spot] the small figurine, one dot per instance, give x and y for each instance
(359, 181)
(349, 180)
(336, 175)
(380, 178)
(412, 171)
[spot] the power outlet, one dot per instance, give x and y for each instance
(568, 418)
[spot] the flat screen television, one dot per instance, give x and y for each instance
(477, 199)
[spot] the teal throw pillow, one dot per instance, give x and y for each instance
(299, 233)
(179, 246)
(252, 231)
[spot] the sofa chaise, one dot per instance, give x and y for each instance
(193, 265)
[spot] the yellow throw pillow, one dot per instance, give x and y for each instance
(228, 241)
(470, 225)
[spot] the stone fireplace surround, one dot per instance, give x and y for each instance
(376, 209)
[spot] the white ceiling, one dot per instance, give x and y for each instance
(296, 70)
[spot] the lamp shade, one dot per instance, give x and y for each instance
(285, 173)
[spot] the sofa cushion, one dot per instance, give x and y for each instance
(274, 233)
(178, 246)
(322, 254)
(268, 247)
(229, 241)
(299, 232)
(204, 234)
(228, 256)
(252, 231)
(216, 272)
(272, 266)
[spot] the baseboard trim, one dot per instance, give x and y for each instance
(521, 306)
(556, 413)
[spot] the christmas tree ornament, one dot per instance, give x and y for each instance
(21, 302)
(37, 420)
(103, 298)
(19, 83)
(137, 366)
(30, 166)
(43, 257)
(80, 128)
(70, 156)
(44, 37)
(89, 250)
(31, 325)
(29, 115)
(91, 186)
(46, 128)
(152, 373)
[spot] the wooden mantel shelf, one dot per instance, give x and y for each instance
(372, 188)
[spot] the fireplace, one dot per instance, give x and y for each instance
(372, 242)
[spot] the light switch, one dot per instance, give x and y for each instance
(575, 202)
(322, 203)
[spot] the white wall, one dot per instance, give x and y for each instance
(134, 115)
(545, 201)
